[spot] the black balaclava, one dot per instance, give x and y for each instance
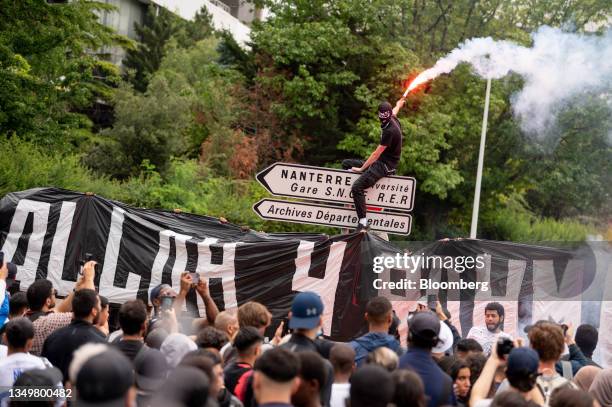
(385, 111)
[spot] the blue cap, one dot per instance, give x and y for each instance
(522, 361)
(306, 311)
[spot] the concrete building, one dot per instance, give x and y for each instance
(224, 17)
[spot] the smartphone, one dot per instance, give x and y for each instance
(195, 277)
(166, 303)
(1, 258)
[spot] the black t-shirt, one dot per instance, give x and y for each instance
(233, 373)
(129, 348)
(392, 138)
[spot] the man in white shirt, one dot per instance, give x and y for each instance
(487, 335)
(342, 358)
(18, 334)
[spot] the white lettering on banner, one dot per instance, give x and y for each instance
(26, 273)
(111, 255)
(226, 271)
(58, 249)
(204, 250)
(162, 258)
(325, 287)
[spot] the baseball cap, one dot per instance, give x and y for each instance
(104, 380)
(445, 339)
(425, 325)
(522, 361)
(48, 377)
(306, 311)
(155, 292)
(151, 369)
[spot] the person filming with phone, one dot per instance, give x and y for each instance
(167, 303)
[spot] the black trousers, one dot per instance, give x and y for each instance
(374, 172)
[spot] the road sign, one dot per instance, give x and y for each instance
(333, 185)
(327, 215)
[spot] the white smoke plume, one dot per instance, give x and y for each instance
(556, 69)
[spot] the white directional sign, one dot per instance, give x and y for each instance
(333, 185)
(334, 216)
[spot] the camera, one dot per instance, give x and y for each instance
(88, 257)
(504, 346)
(195, 278)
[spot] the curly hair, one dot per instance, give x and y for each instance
(546, 338)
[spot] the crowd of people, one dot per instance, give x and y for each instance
(156, 359)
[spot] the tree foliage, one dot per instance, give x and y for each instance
(48, 70)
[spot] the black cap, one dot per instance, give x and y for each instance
(104, 380)
(425, 325)
(49, 377)
(151, 369)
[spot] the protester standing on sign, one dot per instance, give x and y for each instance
(381, 163)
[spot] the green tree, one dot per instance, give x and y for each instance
(48, 71)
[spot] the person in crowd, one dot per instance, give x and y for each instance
(305, 320)
(383, 357)
(133, 323)
(151, 370)
(49, 378)
(61, 344)
(211, 338)
(371, 386)
(424, 328)
(546, 338)
(275, 378)
(175, 347)
(521, 371)
(586, 339)
(601, 388)
(460, 374)
(568, 397)
(186, 386)
(313, 376)
(409, 389)
(248, 343)
(102, 376)
(476, 362)
(509, 398)
(18, 305)
(8, 272)
(585, 376)
(156, 337)
(466, 347)
(487, 335)
(210, 363)
(228, 323)
(48, 318)
(102, 324)
(162, 291)
(342, 358)
(445, 317)
(254, 314)
(18, 335)
(379, 316)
